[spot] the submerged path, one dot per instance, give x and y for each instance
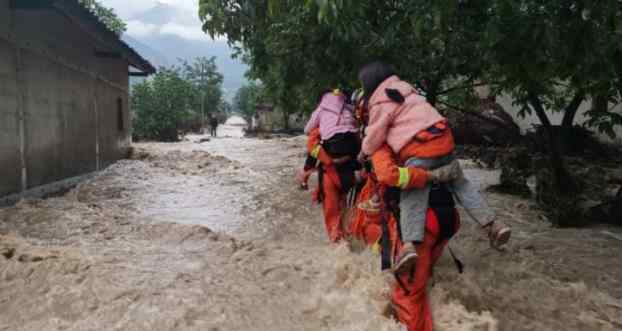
(215, 236)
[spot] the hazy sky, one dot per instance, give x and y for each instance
(184, 21)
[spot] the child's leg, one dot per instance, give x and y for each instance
(413, 207)
(469, 196)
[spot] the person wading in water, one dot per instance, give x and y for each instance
(334, 125)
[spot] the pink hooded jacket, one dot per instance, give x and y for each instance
(332, 116)
(393, 123)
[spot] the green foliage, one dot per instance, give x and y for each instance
(298, 48)
(106, 15)
(161, 105)
(207, 81)
(555, 52)
(553, 55)
(226, 109)
(247, 98)
(284, 45)
(176, 99)
(548, 54)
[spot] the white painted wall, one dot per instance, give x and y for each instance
(527, 122)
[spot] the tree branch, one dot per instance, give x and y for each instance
(476, 114)
(572, 108)
(462, 87)
(535, 102)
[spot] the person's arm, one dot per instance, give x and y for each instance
(389, 173)
(314, 122)
(315, 148)
(376, 131)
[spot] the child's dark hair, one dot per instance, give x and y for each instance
(372, 75)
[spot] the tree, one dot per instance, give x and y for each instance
(106, 15)
(161, 105)
(204, 76)
(550, 56)
(299, 48)
(226, 108)
(283, 45)
(247, 98)
(553, 55)
(178, 99)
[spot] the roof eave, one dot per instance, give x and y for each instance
(91, 25)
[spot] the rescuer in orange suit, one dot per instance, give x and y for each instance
(331, 192)
(409, 295)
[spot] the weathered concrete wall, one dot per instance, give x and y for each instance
(113, 142)
(60, 121)
(69, 98)
(527, 122)
(10, 168)
(5, 18)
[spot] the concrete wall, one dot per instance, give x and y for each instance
(68, 99)
(10, 169)
(527, 122)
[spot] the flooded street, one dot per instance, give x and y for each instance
(216, 236)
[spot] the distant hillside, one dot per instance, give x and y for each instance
(166, 49)
(155, 57)
(179, 48)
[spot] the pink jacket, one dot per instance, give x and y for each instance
(394, 123)
(332, 116)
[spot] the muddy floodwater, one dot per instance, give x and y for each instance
(216, 236)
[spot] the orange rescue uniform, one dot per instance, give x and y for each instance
(332, 197)
(410, 298)
(365, 226)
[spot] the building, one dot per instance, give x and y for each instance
(268, 119)
(64, 90)
(264, 118)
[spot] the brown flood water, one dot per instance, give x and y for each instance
(216, 236)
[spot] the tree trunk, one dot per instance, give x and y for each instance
(571, 111)
(563, 182)
(600, 103)
(618, 69)
(432, 93)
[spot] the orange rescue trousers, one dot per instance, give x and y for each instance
(333, 202)
(410, 297)
(332, 197)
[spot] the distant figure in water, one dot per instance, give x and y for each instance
(213, 123)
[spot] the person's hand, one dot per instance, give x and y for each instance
(302, 178)
(446, 173)
(361, 157)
